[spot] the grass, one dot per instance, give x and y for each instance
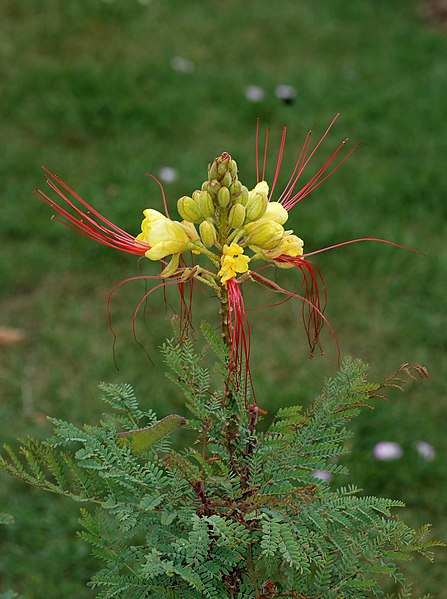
(88, 90)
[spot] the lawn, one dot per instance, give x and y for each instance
(89, 89)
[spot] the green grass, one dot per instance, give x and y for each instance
(87, 89)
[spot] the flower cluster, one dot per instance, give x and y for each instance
(222, 220)
(234, 229)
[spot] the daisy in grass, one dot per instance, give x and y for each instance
(237, 231)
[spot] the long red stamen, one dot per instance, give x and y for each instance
(297, 167)
(279, 160)
(185, 318)
(163, 195)
(288, 198)
(78, 217)
(342, 243)
(318, 178)
(314, 298)
(239, 363)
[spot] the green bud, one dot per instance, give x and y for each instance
(235, 187)
(207, 186)
(237, 216)
(256, 207)
(190, 230)
(212, 170)
(226, 180)
(189, 209)
(223, 197)
(243, 196)
(206, 204)
(233, 168)
(208, 233)
(266, 234)
(223, 164)
(214, 187)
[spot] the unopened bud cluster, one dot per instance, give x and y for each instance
(223, 204)
(221, 220)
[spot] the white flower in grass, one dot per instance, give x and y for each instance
(387, 451)
(167, 174)
(286, 93)
(426, 450)
(254, 93)
(182, 65)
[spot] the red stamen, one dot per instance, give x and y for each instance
(279, 160)
(336, 245)
(239, 363)
(79, 219)
(165, 203)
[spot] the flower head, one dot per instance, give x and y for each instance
(231, 220)
(163, 235)
(233, 261)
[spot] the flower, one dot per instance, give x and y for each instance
(232, 220)
(425, 450)
(387, 451)
(163, 235)
(233, 262)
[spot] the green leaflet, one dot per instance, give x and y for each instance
(145, 438)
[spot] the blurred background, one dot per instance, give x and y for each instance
(103, 92)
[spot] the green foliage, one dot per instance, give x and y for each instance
(239, 513)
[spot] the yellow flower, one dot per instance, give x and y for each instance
(290, 245)
(264, 234)
(232, 261)
(163, 235)
(276, 211)
(260, 188)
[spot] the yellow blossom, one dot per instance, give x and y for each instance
(264, 234)
(232, 261)
(163, 235)
(276, 211)
(290, 245)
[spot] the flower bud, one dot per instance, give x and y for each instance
(206, 186)
(235, 187)
(226, 180)
(206, 204)
(256, 207)
(276, 211)
(189, 209)
(290, 245)
(236, 217)
(233, 168)
(242, 198)
(223, 164)
(190, 230)
(212, 170)
(207, 233)
(223, 197)
(261, 187)
(266, 234)
(213, 187)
